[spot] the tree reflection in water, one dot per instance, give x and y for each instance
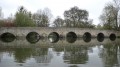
(58, 50)
(76, 55)
(73, 66)
(21, 54)
(70, 54)
(110, 55)
(0, 56)
(42, 55)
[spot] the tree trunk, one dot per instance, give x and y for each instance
(116, 19)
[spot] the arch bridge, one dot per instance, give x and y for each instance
(45, 31)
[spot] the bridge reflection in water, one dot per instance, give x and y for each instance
(57, 51)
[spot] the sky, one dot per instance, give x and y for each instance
(57, 7)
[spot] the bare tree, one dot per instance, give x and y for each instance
(42, 17)
(116, 3)
(108, 17)
(1, 14)
(111, 14)
(58, 22)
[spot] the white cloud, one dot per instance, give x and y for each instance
(56, 6)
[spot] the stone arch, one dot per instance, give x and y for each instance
(71, 37)
(100, 37)
(112, 36)
(7, 37)
(87, 37)
(33, 37)
(53, 37)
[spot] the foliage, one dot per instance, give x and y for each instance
(23, 18)
(110, 15)
(1, 23)
(42, 17)
(0, 12)
(22, 54)
(73, 17)
(109, 54)
(76, 17)
(58, 22)
(99, 26)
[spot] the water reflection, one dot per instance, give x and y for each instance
(110, 55)
(61, 54)
(87, 39)
(100, 39)
(21, 54)
(76, 55)
(42, 55)
(1, 55)
(73, 66)
(58, 50)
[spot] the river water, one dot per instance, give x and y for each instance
(64, 53)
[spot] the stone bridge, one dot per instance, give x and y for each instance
(45, 31)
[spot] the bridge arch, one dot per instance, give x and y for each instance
(87, 34)
(100, 37)
(33, 37)
(53, 37)
(112, 36)
(87, 37)
(7, 37)
(71, 37)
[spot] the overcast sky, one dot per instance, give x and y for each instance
(57, 7)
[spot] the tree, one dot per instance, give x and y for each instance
(23, 18)
(116, 4)
(76, 17)
(88, 24)
(99, 26)
(109, 55)
(107, 18)
(1, 16)
(42, 17)
(58, 22)
(0, 12)
(110, 15)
